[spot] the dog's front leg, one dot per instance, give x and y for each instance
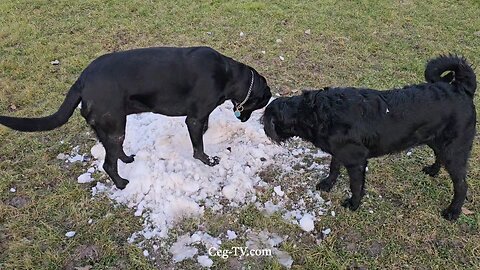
(356, 172)
(195, 130)
(327, 183)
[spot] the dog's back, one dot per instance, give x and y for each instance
(393, 120)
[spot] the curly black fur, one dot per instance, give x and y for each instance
(354, 125)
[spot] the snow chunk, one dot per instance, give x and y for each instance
(205, 261)
(85, 178)
(229, 192)
(278, 191)
(231, 235)
(306, 222)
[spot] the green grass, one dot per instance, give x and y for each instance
(378, 44)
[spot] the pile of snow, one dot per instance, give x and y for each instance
(168, 185)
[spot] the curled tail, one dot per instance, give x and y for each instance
(460, 72)
(50, 122)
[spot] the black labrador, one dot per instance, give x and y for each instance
(188, 82)
(356, 124)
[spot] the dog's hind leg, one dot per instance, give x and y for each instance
(327, 183)
(433, 169)
(111, 133)
(456, 165)
(119, 139)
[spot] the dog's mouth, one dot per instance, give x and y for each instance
(244, 116)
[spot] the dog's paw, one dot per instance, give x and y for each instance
(121, 183)
(212, 161)
(451, 214)
(128, 159)
(431, 170)
(324, 185)
(350, 205)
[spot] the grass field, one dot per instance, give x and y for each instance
(378, 44)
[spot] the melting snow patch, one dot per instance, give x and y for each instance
(269, 241)
(62, 156)
(182, 249)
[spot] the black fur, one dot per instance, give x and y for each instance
(354, 125)
(188, 82)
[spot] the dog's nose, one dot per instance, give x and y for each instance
(244, 119)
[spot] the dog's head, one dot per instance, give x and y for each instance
(280, 119)
(287, 117)
(259, 97)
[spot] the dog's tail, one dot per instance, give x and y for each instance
(459, 72)
(50, 122)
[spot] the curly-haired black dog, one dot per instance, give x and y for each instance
(356, 124)
(188, 82)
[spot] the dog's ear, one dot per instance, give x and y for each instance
(310, 120)
(313, 110)
(309, 98)
(269, 127)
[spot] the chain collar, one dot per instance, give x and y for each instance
(239, 107)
